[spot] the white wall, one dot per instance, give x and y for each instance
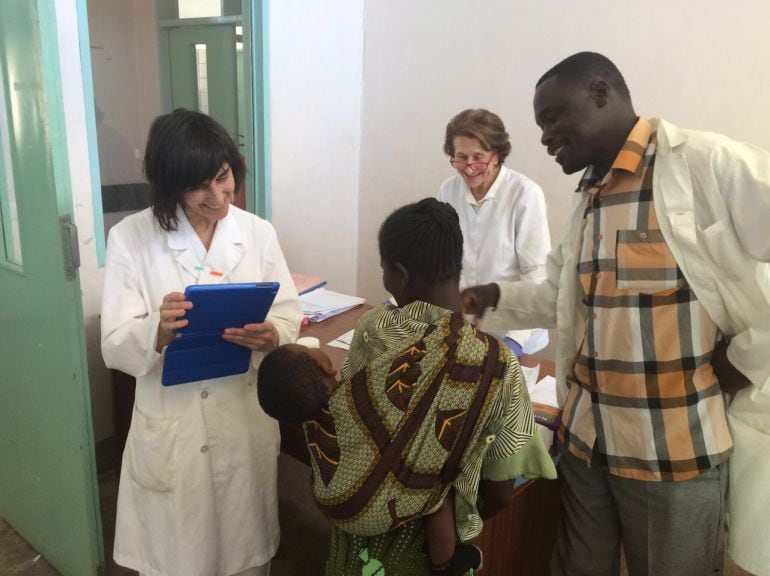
(360, 96)
(315, 103)
(126, 81)
(700, 65)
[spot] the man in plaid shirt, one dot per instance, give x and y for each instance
(660, 293)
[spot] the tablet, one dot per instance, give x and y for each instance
(199, 352)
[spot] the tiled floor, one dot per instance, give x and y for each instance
(303, 547)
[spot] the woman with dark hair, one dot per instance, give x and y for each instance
(197, 493)
(502, 212)
(444, 405)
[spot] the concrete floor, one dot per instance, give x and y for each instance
(305, 532)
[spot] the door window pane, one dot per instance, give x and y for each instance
(199, 8)
(202, 78)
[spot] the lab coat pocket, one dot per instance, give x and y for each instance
(151, 452)
(644, 262)
(725, 249)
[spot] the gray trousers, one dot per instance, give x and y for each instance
(666, 528)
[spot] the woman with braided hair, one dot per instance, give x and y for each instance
(431, 416)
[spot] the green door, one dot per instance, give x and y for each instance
(217, 84)
(48, 489)
(206, 75)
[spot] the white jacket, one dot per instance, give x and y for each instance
(505, 237)
(197, 492)
(712, 200)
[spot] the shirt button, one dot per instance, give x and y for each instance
(643, 235)
(204, 394)
(600, 236)
(204, 449)
(594, 315)
(594, 354)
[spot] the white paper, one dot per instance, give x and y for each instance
(544, 392)
(343, 341)
(538, 339)
(321, 304)
(531, 375)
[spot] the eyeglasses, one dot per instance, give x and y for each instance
(476, 166)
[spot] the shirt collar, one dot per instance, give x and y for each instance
(629, 158)
(185, 236)
(491, 193)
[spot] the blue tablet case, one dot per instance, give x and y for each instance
(199, 352)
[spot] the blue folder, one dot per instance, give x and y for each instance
(199, 352)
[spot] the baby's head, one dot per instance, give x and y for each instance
(294, 382)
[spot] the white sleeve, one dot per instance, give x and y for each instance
(533, 239)
(527, 304)
(746, 191)
(444, 191)
(745, 188)
(128, 326)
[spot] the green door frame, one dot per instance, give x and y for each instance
(258, 92)
(93, 148)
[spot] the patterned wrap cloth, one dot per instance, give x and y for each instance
(427, 402)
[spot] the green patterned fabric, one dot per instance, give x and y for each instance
(408, 384)
(397, 553)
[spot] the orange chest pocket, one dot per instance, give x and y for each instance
(644, 263)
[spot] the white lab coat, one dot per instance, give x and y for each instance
(712, 200)
(505, 236)
(197, 493)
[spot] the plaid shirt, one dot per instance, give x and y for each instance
(642, 392)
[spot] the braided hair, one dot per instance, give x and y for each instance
(290, 385)
(425, 238)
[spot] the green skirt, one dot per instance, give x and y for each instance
(401, 552)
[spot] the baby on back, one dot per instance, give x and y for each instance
(295, 384)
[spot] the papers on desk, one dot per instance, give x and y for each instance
(545, 407)
(544, 392)
(534, 341)
(343, 341)
(531, 375)
(321, 304)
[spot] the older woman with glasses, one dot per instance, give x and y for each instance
(502, 213)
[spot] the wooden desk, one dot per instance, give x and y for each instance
(517, 541)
